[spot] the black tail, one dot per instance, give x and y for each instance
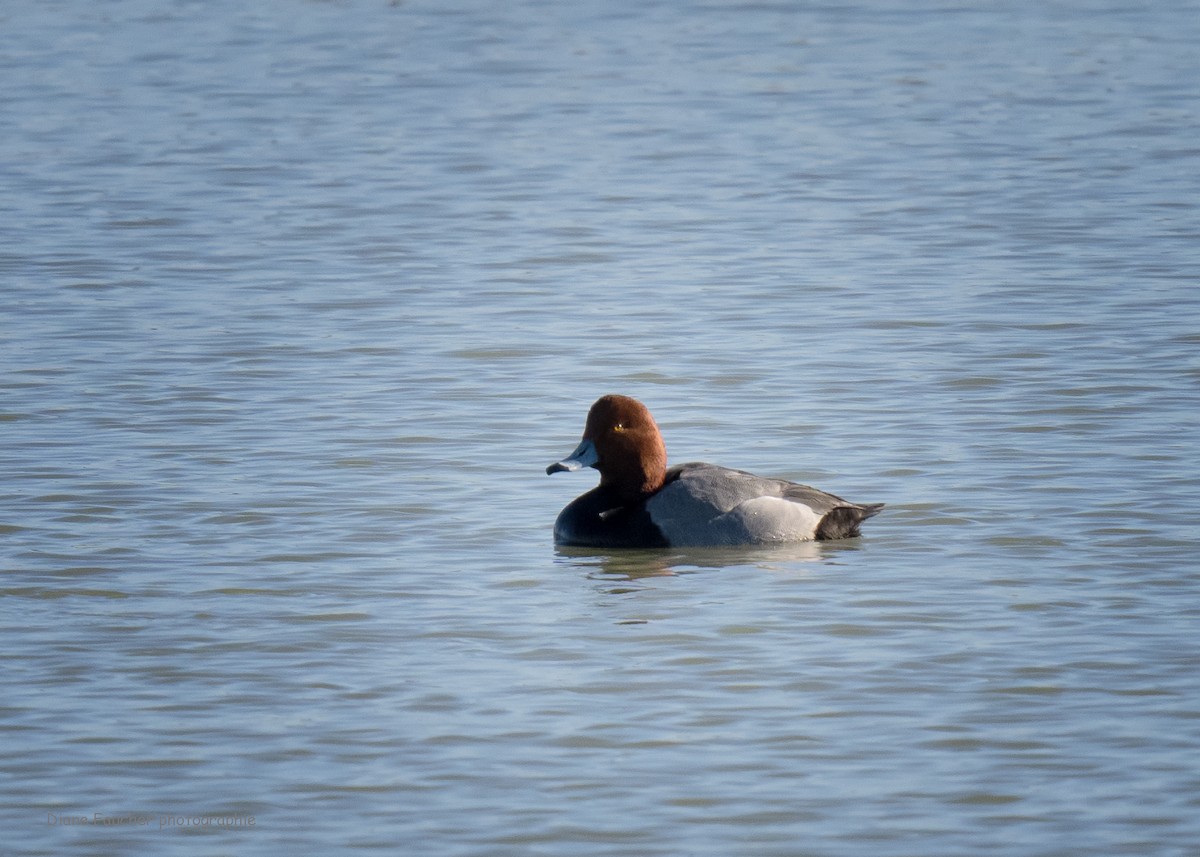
(843, 522)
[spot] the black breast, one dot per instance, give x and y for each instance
(599, 519)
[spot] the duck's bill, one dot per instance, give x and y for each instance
(583, 456)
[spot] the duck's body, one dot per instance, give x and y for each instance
(640, 503)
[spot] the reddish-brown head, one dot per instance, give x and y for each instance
(622, 441)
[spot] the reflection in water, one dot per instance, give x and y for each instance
(637, 564)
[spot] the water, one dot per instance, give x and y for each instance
(300, 298)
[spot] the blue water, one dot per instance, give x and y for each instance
(300, 298)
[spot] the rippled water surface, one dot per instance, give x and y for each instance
(300, 298)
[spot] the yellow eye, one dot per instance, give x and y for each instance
(619, 427)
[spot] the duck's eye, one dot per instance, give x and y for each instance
(619, 427)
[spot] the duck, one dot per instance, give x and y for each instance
(641, 503)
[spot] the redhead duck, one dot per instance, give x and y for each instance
(639, 503)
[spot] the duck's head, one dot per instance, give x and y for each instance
(622, 441)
